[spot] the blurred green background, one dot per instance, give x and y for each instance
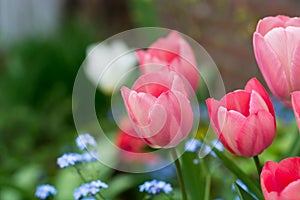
(43, 45)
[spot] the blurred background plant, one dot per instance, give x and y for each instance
(43, 45)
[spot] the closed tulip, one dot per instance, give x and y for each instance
(281, 181)
(244, 120)
(276, 44)
(173, 53)
(296, 106)
(159, 109)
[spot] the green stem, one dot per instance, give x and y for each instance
(100, 195)
(257, 165)
(80, 174)
(179, 174)
(207, 187)
(253, 187)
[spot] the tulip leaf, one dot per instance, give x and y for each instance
(195, 176)
(251, 184)
(244, 195)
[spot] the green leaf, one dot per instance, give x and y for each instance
(251, 184)
(194, 175)
(244, 195)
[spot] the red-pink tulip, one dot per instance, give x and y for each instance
(159, 109)
(173, 53)
(276, 44)
(281, 181)
(244, 120)
(296, 106)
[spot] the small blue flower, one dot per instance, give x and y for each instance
(155, 187)
(89, 156)
(44, 191)
(192, 145)
(69, 159)
(85, 140)
(88, 198)
(91, 188)
(217, 144)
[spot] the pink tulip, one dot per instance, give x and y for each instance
(296, 106)
(281, 181)
(276, 44)
(159, 109)
(244, 120)
(173, 53)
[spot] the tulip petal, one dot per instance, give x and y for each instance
(254, 84)
(153, 83)
(165, 48)
(158, 82)
(138, 105)
(271, 67)
(268, 182)
(212, 107)
(293, 36)
(257, 103)
(238, 101)
(268, 23)
(256, 134)
(178, 123)
(291, 192)
(230, 123)
(294, 21)
(296, 106)
(277, 39)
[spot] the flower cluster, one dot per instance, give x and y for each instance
(44, 191)
(70, 159)
(194, 145)
(161, 116)
(89, 189)
(85, 140)
(155, 187)
(82, 141)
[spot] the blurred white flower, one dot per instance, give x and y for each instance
(106, 64)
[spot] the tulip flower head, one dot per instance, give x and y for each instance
(172, 53)
(244, 120)
(276, 44)
(281, 181)
(159, 110)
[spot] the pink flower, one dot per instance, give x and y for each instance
(173, 53)
(296, 106)
(159, 109)
(277, 50)
(281, 181)
(244, 120)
